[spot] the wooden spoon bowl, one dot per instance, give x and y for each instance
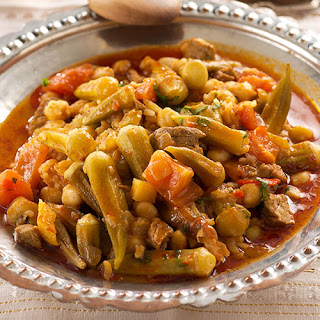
(137, 12)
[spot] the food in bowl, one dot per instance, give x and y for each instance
(160, 163)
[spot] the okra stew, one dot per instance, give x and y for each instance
(160, 162)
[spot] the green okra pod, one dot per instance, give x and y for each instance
(76, 144)
(67, 246)
(211, 173)
(217, 134)
(277, 107)
(134, 144)
(105, 180)
(75, 176)
(170, 88)
(303, 156)
(122, 99)
(88, 239)
(197, 262)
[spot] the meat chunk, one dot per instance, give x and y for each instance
(178, 137)
(276, 211)
(272, 171)
(198, 48)
(39, 118)
(29, 235)
(236, 170)
(159, 233)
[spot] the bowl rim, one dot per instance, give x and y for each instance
(14, 47)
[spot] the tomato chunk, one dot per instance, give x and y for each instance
(258, 79)
(13, 186)
(68, 80)
(247, 116)
(146, 90)
(261, 146)
(29, 159)
(271, 182)
(172, 179)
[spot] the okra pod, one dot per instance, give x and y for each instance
(67, 215)
(77, 144)
(105, 180)
(98, 89)
(88, 239)
(196, 225)
(122, 99)
(75, 176)
(134, 144)
(217, 134)
(303, 156)
(67, 246)
(211, 173)
(197, 262)
(170, 88)
(277, 107)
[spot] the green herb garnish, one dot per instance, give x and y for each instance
(177, 253)
(200, 109)
(121, 84)
(203, 122)
(263, 188)
(216, 106)
(45, 82)
(285, 191)
(14, 180)
(180, 121)
(179, 262)
(246, 135)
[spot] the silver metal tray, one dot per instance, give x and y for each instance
(42, 48)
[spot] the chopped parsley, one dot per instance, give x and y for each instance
(199, 109)
(242, 127)
(163, 99)
(246, 213)
(232, 205)
(177, 253)
(230, 190)
(45, 82)
(199, 227)
(180, 121)
(285, 191)
(187, 108)
(14, 180)
(215, 94)
(121, 84)
(203, 122)
(179, 262)
(216, 106)
(246, 135)
(165, 257)
(263, 188)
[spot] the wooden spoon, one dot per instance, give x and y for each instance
(137, 12)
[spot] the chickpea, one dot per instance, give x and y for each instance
(219, 155)
(146, 210)
(233, 222)
(254, 232)
(300, 178)
(57, 110)
(71, 196)
(194, 74)
(252, 196)
(51, 194)
(293, 193)
(134, 241)
(299, 134)
(178, 241)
